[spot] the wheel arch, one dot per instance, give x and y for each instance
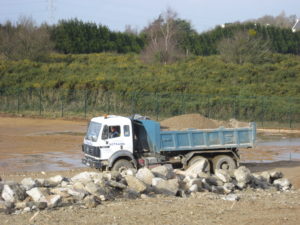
(122, 154)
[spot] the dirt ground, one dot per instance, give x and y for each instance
(23, 139)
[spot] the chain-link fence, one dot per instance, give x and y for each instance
(266, 111)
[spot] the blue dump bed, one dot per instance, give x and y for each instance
(192, 139)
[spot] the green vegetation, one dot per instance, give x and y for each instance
(126, 73)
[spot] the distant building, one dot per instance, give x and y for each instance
(296, 27)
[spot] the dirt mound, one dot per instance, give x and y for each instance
(197, 121)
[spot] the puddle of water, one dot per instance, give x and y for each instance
(50, 161)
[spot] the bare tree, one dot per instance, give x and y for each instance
(25, 40)
(281, 20)
(162, 37)
(244, 47)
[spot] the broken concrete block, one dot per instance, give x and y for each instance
(53, 181)
(91, 201)
(131, 194)
(167, 187)
(28, 183)
(274, 175)
(193, 188)
(282, 184)
(116, 184)
(13, 192)
(228, 188)
(242, 175)
(136, 184)
(164, 171)
(197, 168)
(145, 175)
(83, 177)
(38, 194)
(79, 195)
(223, 175)
(53, 200)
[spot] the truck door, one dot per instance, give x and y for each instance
(116, 138)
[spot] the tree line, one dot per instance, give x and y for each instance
(166, 39)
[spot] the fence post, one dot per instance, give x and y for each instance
(263, 111)
(62, 105)
(157, 106)
(18, 101)
(85, 103)
(290, 112)
(40, 107)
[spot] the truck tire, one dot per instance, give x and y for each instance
(121, 165)
(197, 158)
(223, 162)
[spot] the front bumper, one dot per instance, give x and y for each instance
(93, 163)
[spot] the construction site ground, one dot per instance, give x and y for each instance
(44, 147)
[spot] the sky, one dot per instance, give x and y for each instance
(116, 14)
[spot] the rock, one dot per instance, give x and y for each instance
(27, 209)
(166, 187)
(242, 175)
(223, 175)
(228, 188)
(29, 183)
(92, 188)
(193, 188)
(265, 176)
(164, 171)
(131, 194)
(144, 196)
(241, 185)
(13, 192)
(79, 195)
(54, 181)
(40, 182)
(213, 180)
(189, 182)
(20, 205)
(145, 175)
(135, 184)
(156, 180)
(83, 177)
(206, 185)
(259, 181)
(282, 184)
(1, 188)
(128, 172)
(116, 184)
(274, 175)
(79, 186)
(38, 205)
(217, 189)
(91, 201)
(38, 194)
(231, 197)
(197, 168)
(53, 200)
(6, 207)
(63, 192)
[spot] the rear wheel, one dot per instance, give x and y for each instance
(224, 162)
(198, 158)
(122, 165)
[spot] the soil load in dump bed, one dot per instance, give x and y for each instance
(197, 121)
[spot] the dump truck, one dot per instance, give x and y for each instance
(118, 143)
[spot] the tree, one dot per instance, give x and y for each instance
(244, 47)
(162, 39)
(25, 40)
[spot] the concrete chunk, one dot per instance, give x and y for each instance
(145, 175)
(197, 168)
(164, 171)
(13, 192)
(167, 187)
(242, 175)
(28, 183)
(135, 184)
(223, 175)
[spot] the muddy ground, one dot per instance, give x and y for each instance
(44, 147)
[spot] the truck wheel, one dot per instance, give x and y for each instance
(121, 165)
(198, 158)
(224, 162)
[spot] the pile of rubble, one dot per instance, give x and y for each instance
(89, 189)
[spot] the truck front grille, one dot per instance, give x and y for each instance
(91, 150)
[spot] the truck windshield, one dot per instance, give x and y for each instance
(93, 131)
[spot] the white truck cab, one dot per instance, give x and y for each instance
(107, 137)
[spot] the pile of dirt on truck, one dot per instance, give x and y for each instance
(198, 121)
